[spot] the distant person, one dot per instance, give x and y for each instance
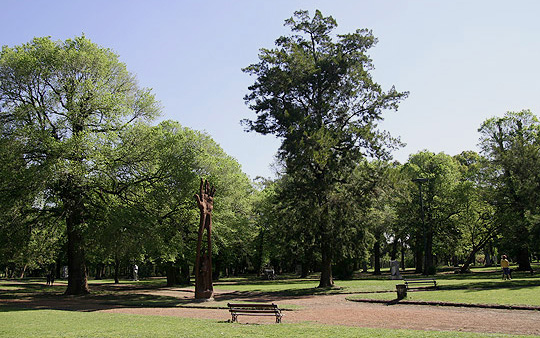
(505, 265)
(135, 272)
(52, 278)
(48, 279)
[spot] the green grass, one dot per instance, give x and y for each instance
(483, 286)
(505, 293)
(54, 323)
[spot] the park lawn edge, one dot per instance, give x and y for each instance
(58, 323)
(451, 304)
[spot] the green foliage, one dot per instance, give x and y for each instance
(441, 204)
(512, 145)
(150, 214)
(61, 103)
(315, 91)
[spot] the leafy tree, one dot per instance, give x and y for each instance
(512, 145)
(477, 221)
(383, 217)
(62, 102)
(441, 203)
(151, 182)
(316, 93)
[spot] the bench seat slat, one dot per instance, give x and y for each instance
(254, 309)
(259, 306)
(430, 281)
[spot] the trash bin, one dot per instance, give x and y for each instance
(401, 291)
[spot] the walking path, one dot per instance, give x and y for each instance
(336, 310)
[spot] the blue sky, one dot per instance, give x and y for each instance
(461, 61)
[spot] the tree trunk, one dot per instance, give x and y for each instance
(523, 259)
(260, 255)
(377, 258)
(418, 258)
(489, 255)
(77, 277)
(23, 271)
(305, 270)
(393, 252)
(116, 271)
(173, 274)
(469, 260)
(307, 262)
(326, 246)
(100, 270)
(326, 267)
(58, 267)
(429, 267)
(402, 257)
(184, 274)
(74, 209)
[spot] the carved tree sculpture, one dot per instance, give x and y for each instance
(203, 262)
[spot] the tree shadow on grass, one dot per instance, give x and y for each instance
(514, 284)
(19, 296)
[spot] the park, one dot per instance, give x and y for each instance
(116, 223)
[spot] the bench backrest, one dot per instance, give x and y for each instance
(252, 306)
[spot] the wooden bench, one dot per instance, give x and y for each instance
(420, 281)
(254, 309)
(270, 274)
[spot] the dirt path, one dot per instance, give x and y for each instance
(336, 310)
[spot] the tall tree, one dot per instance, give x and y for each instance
(512, 145)
(314, 91)
(477, 222)
(63, 101)
(440, 202)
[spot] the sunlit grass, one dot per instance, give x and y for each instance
(524, 291)
(52, 323)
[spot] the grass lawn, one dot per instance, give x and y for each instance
(484, 292)
(483, 286)
(54, 323)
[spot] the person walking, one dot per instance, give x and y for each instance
(505, 265)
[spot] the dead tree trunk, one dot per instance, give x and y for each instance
(203, 261)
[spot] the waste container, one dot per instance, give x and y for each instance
(401, 291)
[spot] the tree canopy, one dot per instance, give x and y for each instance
(62, 102)
(315, 91)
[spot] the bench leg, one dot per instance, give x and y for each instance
(234, 317)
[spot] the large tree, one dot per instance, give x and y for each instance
(440, 203)
(62, 102)
(315, 92)
(512, 145)
(477, 222)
